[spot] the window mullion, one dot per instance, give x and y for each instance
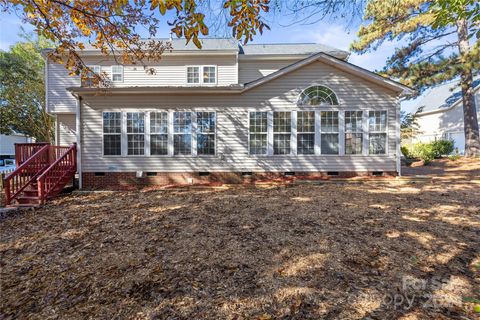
(365, 136)
(270, 133)
(194, 127)
(341, 133)
(170, 133)
(293, 134)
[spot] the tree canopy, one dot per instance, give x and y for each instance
(22, 102)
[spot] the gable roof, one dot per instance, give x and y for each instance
(338, 63)
(443, 97)
(290, 48)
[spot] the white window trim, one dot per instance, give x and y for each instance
(200, 75)
(314, 132)
(271, 114)
(269, 130)
(386, 133)
(132, 133)
(341, 126)
(192, 151)
(121, 135)
(123, 72)
(214, 136)
(150, 134)
(361, 131)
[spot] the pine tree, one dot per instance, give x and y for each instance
(442, 43)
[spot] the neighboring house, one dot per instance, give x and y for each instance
(7, 144)
(228, 111)
(440, 114)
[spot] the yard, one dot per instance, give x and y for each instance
(382, 250)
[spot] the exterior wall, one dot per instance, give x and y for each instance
(130, 181)
(249, 70)
(7, 143)
(232, 152)
(445, 125)
(65, 129)
(170, 71)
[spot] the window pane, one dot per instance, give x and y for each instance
(182, 144)
(329, 143)
(282, 122)
(377, 121)
(206, 122)
(158, 144)
(329, 121)
(136, 144)
(353, 121)
(305, 121)
(258, 122)
(193, 75)
(281, 144)
(112, 145)
(117, 73)
(377, 143)
(306, 143)
(209, 75)
(112, 122)
(206, 144)
(182, 122)
(135, 122)
(258, 144)
(318, 96)
(353, 143)
(158, 122)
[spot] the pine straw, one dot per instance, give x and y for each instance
(293, 252)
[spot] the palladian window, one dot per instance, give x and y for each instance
(317, 96)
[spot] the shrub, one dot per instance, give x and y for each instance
(442, 147)
(406, 152)
(424, 151)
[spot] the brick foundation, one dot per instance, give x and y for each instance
(129, 181)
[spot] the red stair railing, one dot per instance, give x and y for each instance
(24, 151)
(53, 178)
(26, 173)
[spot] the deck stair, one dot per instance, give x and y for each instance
(43, 172)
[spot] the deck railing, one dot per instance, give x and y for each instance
(54, 176)
(23, 151)
(26, 173)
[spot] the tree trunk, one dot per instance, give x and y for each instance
(470, 121)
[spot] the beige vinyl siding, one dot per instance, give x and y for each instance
(232, 125)
(66, 129)
(59, 99)
(249, 70)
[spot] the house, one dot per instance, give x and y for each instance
(227, 111)
(7, 144)
(440, 114)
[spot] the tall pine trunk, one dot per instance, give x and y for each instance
(470, 121)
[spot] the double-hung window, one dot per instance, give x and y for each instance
(377, 128)
(193, 74)
(158, 133)
(89, 80)
(202, 75)
(117, 73)
(353, 132)
(112, 133)
(206, 133)
(305, 132)
(258, 133)
(329, 132)
(282, 131)
(182, 133)
(135, 133)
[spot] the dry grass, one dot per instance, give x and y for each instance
(289, 252)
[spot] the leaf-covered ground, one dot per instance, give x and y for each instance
(332, 251)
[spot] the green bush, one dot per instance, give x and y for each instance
(442, 147)
(424, 151)
(406, 152)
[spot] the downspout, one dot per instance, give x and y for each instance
(397, 139)
(79, 143)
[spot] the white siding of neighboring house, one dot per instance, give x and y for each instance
(281, 94)
(445, 124)
(7, 143)
(169, 71)
(249, 70)
(65, 129)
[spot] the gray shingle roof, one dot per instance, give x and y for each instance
(443, 96)
(290, 48)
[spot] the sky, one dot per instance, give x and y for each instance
(338, 34)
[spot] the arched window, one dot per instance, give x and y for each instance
(317, 96)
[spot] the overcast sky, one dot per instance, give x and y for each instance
(338, 35)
